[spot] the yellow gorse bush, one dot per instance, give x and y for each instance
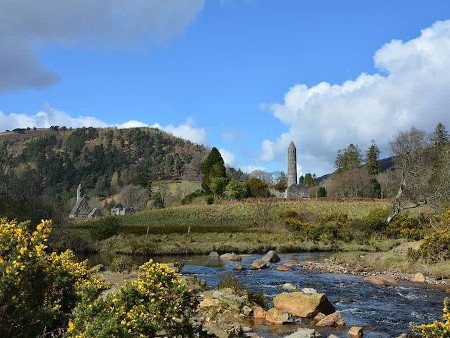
(156, 300)
(436, 329)
(38, 290)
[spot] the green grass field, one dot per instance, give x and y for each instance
(230, 214)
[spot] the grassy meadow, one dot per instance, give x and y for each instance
(242, 215)
(239, 226)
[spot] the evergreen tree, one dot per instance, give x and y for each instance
(440, 136)
(349, 158)
(309, 180)
(214, 167)
(373, 169)
(372, 159)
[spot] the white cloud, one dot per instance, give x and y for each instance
(27, 25)
(46, 118)
(50, 116)
(185, 130)
(250, 168)
(132, 124)
(410, 90)
(228, 157)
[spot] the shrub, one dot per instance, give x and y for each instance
(288, 214)
(322, 192)
(106, 227)
(435, 247)
(236, 190)
(376, 220)
(408, 227)
(157, 300)
(38, 290)
(190, 197)
(209, 199)
(257, 188)
(121, 264)
(436, 329)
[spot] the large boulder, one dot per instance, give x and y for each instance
(304, 333)
(230, 257)
(271, 257)
(259, 264)
(380, 280)
(276, 316)
(334, 319)
(303, 305)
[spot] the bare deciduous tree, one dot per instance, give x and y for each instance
(420, 180)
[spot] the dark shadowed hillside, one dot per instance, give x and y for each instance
(39, 169)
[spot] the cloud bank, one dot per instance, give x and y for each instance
(50, 116)
(411, 89)
(27, 25)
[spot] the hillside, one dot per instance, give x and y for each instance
(40, 169)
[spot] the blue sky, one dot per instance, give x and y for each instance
(245, 76)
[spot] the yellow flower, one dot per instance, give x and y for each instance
(22, 250)
(71, 327)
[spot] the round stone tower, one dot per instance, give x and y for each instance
(292, 165)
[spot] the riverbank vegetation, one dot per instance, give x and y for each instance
(43, 293)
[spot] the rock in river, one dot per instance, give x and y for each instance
(259, 313)
(303, 305)
(380, 280)
(213, 254)
(271, 257)
(283, 268)
(276, 316)
(304, 333)
(289, 287)
(355, 332)
(259, 264)
(230, 257)
(334, 319)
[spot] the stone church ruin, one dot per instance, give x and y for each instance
(82, 209)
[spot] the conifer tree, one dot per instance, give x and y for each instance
(372, 159)
(373, 169)
(214, 167)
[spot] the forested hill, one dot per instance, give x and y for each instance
(46, 165)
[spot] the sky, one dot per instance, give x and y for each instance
(245, 76)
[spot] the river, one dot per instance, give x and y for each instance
(383, 311)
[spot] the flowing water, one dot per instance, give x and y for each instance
(383, 311)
